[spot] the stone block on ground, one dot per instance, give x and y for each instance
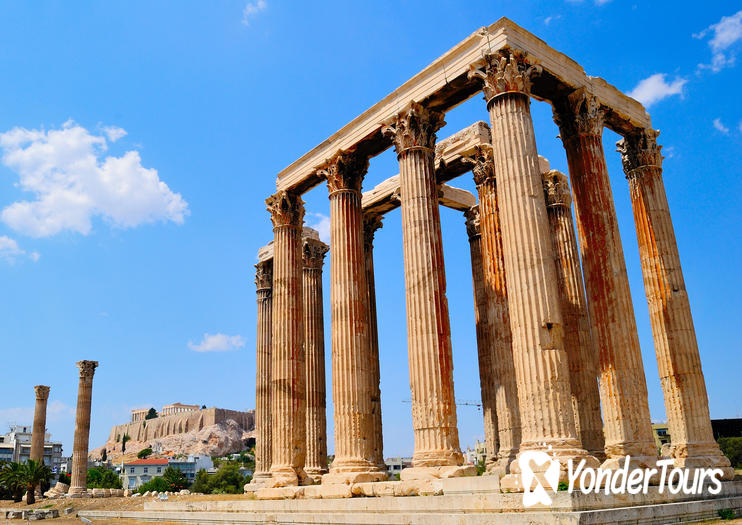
(61, 488)
(328, 491)
(471, 485)
(99, 493)
(280, 493)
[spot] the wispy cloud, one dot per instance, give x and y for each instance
(597, 2)
(719, 125)
(251, 9)
(655, 88)
(740, 127)
(56, 411)
(549, 19)
(724, 35)
(217, 343)
(10, 251)
(321, 223)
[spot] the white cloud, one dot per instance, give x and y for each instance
(655, 88)
(322, 225)
(217, 343)
(740, 127)
(114, 133)
(251, 9)
(726, 32)
(73, 181)
(549, 19)
(719, 125)
(9, 250)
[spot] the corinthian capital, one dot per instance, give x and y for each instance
(371, 223)
(87, 369)
(638, 150)
(414, 127)
(472, 222)
(345, 171)
(482, 164)
(286, 209)
(556, 189)
(264, 275)
(42, 392)
(579, 113)
(314, 252)
(507, 71)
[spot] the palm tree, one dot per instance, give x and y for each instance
(12, 478)
(34, 473)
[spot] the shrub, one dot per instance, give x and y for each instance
(732, 448)
(102, 478)
(726, 514)
(175, 479)
(158, 484)
(144, 453)
(227, 480)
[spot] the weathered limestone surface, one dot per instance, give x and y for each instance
(540, 358)
(679, 362)
(314, 252)
(39, 423)
(288, 374)
(79, 476)
(352, 368)
(581, 350)
(623, 388)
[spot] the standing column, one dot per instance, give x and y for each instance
(437, 452)
(493, 267)
(623, 387)
(79, 483)
(678, 359)
(533, 296)
(288, 401)
(314, 349)
(39, 423)
(352, 378)
(371, 223)
(581, 350)
(485, 340)
(264, 285)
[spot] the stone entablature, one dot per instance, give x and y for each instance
(178, 408)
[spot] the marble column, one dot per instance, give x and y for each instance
(547, 420)
(352, 377)
(493, 267)
(39, 423)
(623, 388)
(288, 395)
(578, 340)
(263, 443)
(437, 452)
(314, 350)
(371, 223)
(79, 483)
(675, 343)
(485, 340)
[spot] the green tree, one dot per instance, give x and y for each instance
(201, 483)
(103, 478)
(104, 456)
(151, 414)
(158, 484)
(123, 442)
(732, 448)
(480, 467)
(175, 479)
(65, 478)
(34, 474)
(227, 480)
(13, 480)
(144, 453)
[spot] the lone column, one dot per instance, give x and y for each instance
(581, 350)
(437, 452)
(623, 387)
(493, 268)
(39, 423)
(79, 483)
(352, 377)
(288, 396)
(370, 225)
(533, 296)
(264, 285)
(314, 349)
(678, 359)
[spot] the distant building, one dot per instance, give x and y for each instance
(178, 408)
(16, 446)
(138, 414)
(136, 473)
(191, 465)
(661, 434)
(472, 456)
(395, 465)
(723, 428)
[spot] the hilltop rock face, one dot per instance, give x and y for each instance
(218, 439)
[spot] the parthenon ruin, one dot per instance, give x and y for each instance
(560, 365)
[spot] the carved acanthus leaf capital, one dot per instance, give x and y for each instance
(580, 113)
(87, 369)
(482, 164)
(472, 222)
(638, 150)
(264, 275)
(414, 127)
(42, 392)
(286, 209)
(371, 223)
(345, 171)
(556, 189)
(507, 71)
(313, 252)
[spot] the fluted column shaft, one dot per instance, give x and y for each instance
(352, 377)
(80, 443)
(314, 345)
(675, 343)
(288, 396)
(39, 423)
(493, 266)
(263, 443)
(623, 388)
(581, 350)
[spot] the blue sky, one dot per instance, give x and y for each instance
(138, 142)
